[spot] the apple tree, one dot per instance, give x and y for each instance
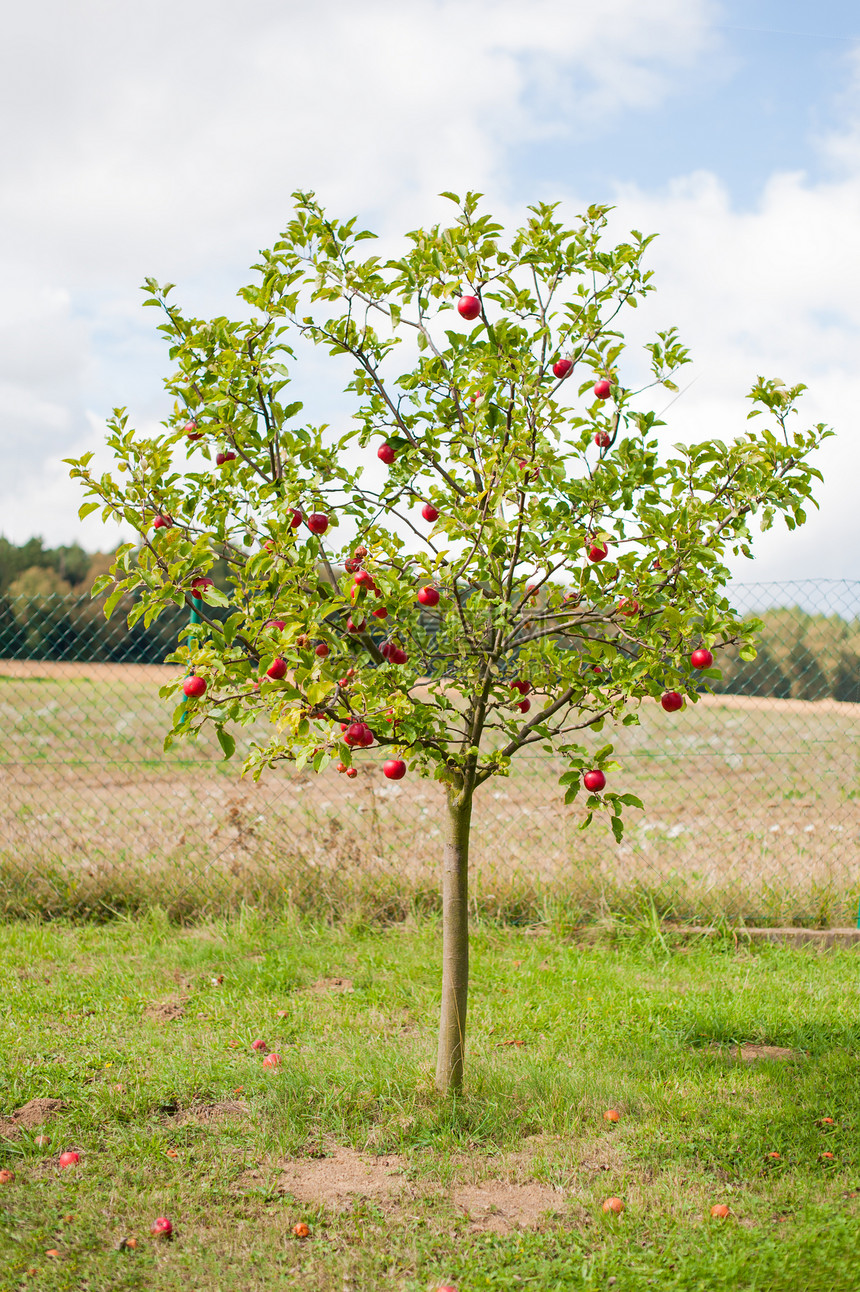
(531, 562)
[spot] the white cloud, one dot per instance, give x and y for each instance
(772, 291)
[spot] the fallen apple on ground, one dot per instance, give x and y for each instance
(161, 1228)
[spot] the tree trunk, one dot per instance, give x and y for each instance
(455, 942)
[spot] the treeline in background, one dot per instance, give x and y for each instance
(47, 613)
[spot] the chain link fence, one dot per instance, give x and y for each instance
(752, 796)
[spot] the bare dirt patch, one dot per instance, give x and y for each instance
(341, 1179)
(324, 985)
(497, 1207)
(29, 1116)
(207, 1114)
(168, 1011)
(749, 1053)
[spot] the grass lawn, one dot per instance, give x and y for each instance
(144, 1032)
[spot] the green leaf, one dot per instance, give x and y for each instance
(226, 741)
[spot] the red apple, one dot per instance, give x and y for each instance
(561, 368)
(672, 701)
(352, 627)
(259, 1045)
(521, 686)
(469, 307)
(341, 767)
(6, 1176)
(360, 552)
(615, 1205)
(321, 650)
(386, 453)
(628, 606)
(380, 613)
(275, 623)
(162, 522)
(199, 586)
(221, 458)
(161, 1228)
(598, 551)
(190, 429)
(277, 669)
(351, 564)
(354, 734)
(594, 781)
(428, 596)
(524, 706)
(394, 769)
(364, 579)
(429, 513)
(69, 1158)
(352, 772)
(272, 1061)
(397, 655)
(603, 439)
(701, 658)
(318, 522)
(194, 687)
(296, 518)
(603, 389)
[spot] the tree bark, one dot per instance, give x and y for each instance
(455, 941)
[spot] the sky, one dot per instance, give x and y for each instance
(165, 139)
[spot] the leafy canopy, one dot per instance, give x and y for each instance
(573, 553)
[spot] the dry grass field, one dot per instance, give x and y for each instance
(751, 811)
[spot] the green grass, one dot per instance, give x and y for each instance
(624, 1022)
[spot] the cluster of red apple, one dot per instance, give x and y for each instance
(523, 687)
